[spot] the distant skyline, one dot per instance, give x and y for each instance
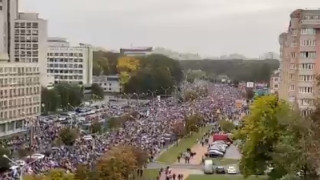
(206, 27)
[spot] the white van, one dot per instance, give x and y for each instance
(208, 167)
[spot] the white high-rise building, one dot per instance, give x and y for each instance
(24, 37)
(8, 13)
(70, 64)
(29, 43)
(21, 37)
(20, 97)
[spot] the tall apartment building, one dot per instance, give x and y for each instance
(300, 55)
(29, 43)
(70, 64)
(24, 37)
(19, 97)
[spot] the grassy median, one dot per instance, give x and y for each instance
(225, 177)
(170, 156)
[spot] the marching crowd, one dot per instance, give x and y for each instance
(151, 131)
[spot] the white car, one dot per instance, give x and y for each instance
(232, 170)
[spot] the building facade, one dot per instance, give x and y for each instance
(300, 60)
(24, 37)
(275, 82)
(29, 43)
(20, 93)
(110, 84)
(70, 64)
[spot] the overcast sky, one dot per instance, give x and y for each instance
(207, 27)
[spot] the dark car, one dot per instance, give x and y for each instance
(220, 170)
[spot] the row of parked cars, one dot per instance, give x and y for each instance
(218, 148)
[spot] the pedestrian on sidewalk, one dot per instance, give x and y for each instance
(174, 176)
(178, 159)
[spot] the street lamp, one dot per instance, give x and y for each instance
(22, 168)
(165, 90)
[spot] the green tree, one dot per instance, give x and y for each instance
(83, 172)
(193, 122)
(226, 126)
(97, 91)
(4, 162)
(260, 134)
(68, 135)
(50, 99)
(190, 95)
(96, 127)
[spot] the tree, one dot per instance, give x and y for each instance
(259, 134)
(4, 162)
(179, 129)
(68, 135)
(140, 155)
(83, 172)
(97, 90)
(226, 126)
(118, 164)
(54, 174)
(156, 73)
(70, 94)
(298, 147)
(96, 127)
(193, 122)
(50, 98)
(114, 123)
(190, 95)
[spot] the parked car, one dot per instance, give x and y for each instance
(208, 167)
(215, 153)
(220, 170)
(232, 170)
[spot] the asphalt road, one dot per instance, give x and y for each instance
(232, 153)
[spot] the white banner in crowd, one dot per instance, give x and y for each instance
(250, 84)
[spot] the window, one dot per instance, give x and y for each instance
(308, 54)
(308, 31)
(307, 66)
(310, 42)
(291, 87)
(306, 78)
(305, 90)
(293, 55)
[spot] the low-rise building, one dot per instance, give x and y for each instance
(138, 51)
(20, 93)
(70, 64)
(110, 84)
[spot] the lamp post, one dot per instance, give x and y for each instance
(22, 168)
(165, 90)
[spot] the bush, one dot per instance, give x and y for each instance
(226, 126)
(68, 136)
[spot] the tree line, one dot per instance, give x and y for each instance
(62, 96)
(153, 73)
(236, 70)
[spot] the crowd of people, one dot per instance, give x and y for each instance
(151, 130)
